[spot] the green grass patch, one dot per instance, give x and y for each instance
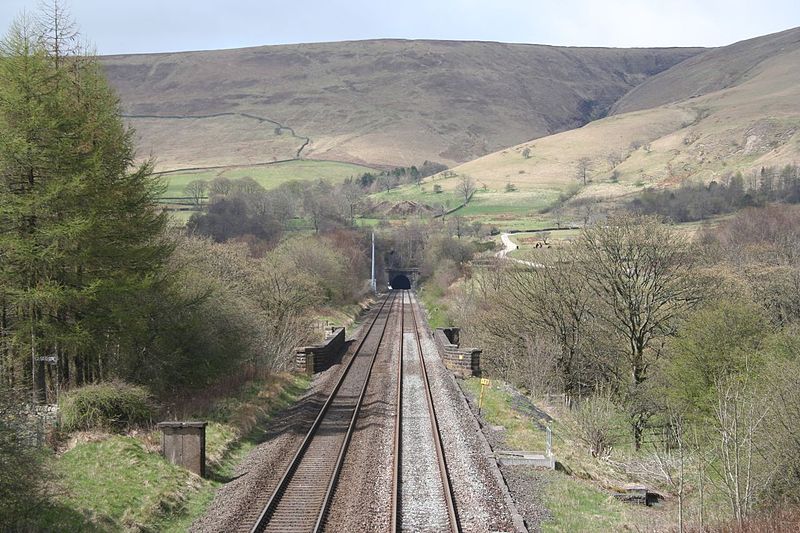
(574, 505)
(269, 176)
(577, 506)
(116, 482)
(521, 432)
(431, 297)
(119, 482)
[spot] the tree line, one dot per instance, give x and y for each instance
(685, 348)
(697, 201)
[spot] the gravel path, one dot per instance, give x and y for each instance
(525, 484)
(481, 502)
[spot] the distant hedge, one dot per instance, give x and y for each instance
(112, 406)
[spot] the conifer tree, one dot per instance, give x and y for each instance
(79, 232)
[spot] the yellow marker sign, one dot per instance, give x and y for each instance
(484, 382)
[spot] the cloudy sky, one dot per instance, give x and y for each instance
(129, 26)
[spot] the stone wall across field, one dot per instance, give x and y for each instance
(462, 361)
(319, 357)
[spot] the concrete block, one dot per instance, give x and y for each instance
(506, 457)
(184, 444)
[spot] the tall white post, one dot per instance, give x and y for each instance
(372, 279)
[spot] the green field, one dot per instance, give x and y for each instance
(505, 210)
(269, 176)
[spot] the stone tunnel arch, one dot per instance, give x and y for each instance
(400, 281)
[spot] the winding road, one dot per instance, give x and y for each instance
(510, 246)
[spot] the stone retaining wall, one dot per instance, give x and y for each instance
(319, 357)
(462, 361)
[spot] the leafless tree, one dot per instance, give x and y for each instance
(458, 226)
(640, 272)
(582, 168)
(247, 186)
(526, 153)
(196, 189)
(466, 187)
(738, 418)
(220, 185)
(554, 301)
(388, 181)
(614, 159)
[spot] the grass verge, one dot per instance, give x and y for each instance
(574, 504)
(116, 482)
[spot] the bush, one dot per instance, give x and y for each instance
(112, 406)
(599, 422)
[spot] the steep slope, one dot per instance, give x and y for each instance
(386, 102)
(753, 122)
(710, 71)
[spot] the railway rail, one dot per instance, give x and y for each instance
(422, 495)
(300, 500)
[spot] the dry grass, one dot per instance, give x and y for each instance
(753, 122)
(386, 102)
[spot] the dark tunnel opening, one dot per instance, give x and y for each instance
(401, 282)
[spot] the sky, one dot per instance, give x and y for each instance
(141, 26)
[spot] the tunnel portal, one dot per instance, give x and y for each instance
(400, 281)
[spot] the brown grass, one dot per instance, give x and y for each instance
(783, 520)
(385, 102)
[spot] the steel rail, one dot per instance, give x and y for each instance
(280, 489)
(398, 428)
(452, 512)
(343, 449)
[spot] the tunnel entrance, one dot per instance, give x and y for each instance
(400, 282)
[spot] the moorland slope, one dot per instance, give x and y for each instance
(382, 102)
(737, 110)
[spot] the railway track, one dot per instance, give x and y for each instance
(422, 496)
(300, 500)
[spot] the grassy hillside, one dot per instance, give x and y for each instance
(269, 176)
(752, 123)
(386, 102)
(708, 72)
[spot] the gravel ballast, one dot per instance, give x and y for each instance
(481, 501)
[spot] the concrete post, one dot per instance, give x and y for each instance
(184, 444)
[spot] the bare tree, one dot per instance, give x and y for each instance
(458, 226)
(466, 187)
(196, 189)
(614, 159)
(526, 153)
(640, 272)
(555, 301)
(582, 168)
(388, 181)
(247, 186)
(738, 417)
(220, 185)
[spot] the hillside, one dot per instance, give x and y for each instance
(383, 102)
(753, 121)
(707, 72)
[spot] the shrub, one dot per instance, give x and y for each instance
(112, 406)
(599, 422)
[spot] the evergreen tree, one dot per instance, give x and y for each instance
(79, 232)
